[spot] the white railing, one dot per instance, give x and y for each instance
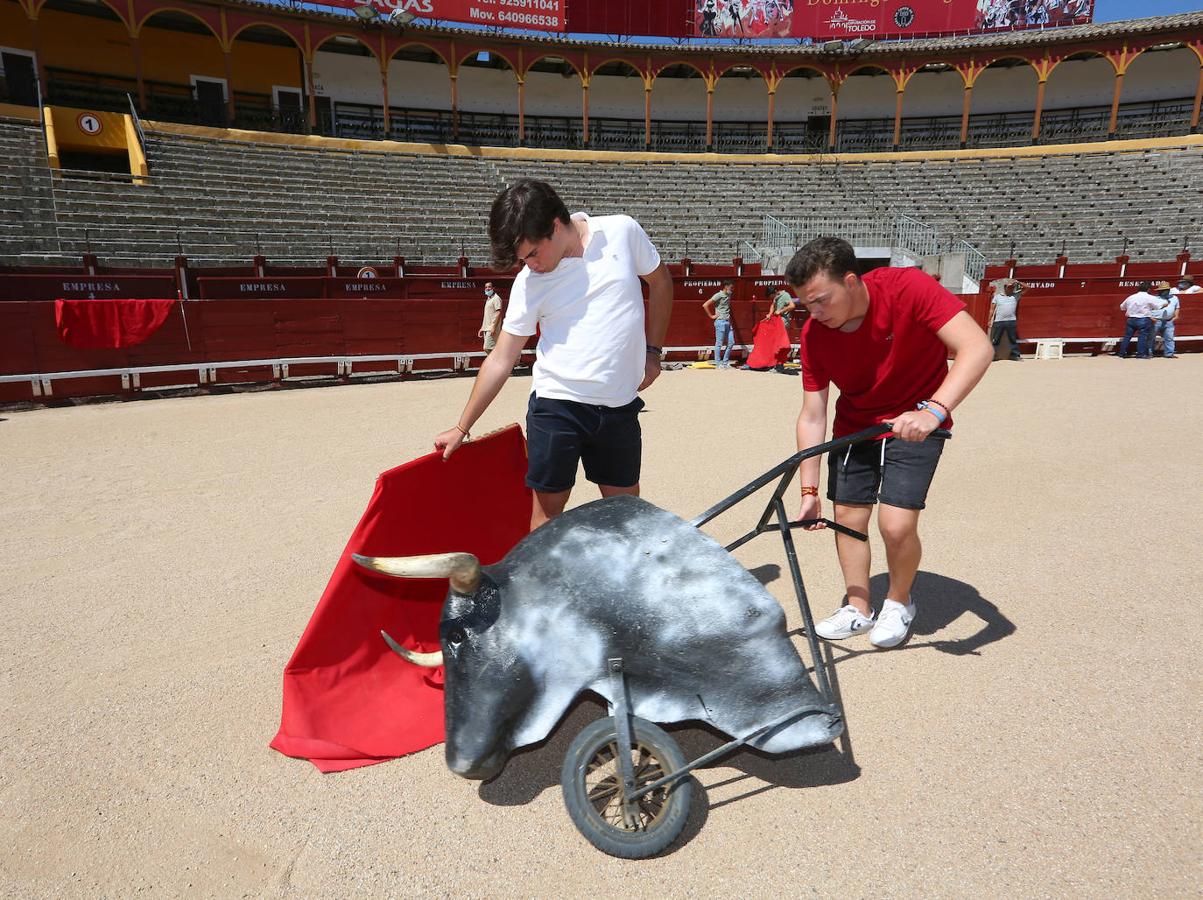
(898, 233)
(975, 262)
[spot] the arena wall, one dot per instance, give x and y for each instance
(89, 44)
(356, 79)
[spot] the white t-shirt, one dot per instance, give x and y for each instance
(1141, 305)
(1005, 306)
(589, 313)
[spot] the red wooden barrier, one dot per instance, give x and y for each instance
(214, 331)
(264, 288)
(1073, 287)
(375, 288)
(1090, 270)
(82, 287)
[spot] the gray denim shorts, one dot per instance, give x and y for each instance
(891, 471)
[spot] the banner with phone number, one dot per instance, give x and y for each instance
(538, 15)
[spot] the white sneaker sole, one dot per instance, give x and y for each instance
(891, 643)
(842, 637)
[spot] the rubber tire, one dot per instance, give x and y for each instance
(596, 830)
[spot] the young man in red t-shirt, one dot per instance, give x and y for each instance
(884, 341)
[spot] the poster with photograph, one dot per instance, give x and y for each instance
(743, 18)
(999, 14)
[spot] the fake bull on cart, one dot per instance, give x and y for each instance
(628, 601)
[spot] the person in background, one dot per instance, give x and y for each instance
(1164, 319)
(718, 307)
(1004, 314)
(1139, 308)
(783, 305)
(1186, 285)
(491, 323)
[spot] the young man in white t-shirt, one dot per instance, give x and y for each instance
(580, 288)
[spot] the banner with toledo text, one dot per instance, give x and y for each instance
(538, 15)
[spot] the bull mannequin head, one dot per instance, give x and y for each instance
(700, 637)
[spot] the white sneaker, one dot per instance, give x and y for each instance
(893, 624)
(843, 623)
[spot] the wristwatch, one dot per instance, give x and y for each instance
(652, 348)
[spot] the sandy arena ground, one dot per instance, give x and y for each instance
(1039, 735)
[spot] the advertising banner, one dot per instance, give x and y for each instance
(538, 15)
(851, 19)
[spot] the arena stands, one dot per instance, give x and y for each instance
(222, 201)
(27, 222)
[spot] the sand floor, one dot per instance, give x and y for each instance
(1038, 736)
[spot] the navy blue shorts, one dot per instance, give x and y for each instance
(561, 433)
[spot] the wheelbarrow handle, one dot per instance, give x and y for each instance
(817, 450)
(940, 434)
(834, 526)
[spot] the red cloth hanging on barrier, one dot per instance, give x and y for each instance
(349, 700)
(770, 344)
(109, 324)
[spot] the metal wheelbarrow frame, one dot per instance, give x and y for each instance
(640, 808)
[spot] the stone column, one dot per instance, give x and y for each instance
(768, 144)
(1039, 109)
(709, 117)
(384, 93)
(1119, 86)
(831, 131)
(965, 115)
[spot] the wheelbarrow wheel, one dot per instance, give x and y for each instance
(593, 789)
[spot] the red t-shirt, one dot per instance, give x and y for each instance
(893, 360)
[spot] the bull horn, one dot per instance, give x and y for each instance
(462, 568)
(425, 660)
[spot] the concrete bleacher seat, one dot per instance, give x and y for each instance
(225, 200)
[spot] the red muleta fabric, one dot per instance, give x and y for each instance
(109, 324)
(349, 700)
(770, 344)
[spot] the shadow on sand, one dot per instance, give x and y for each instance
(533, 770)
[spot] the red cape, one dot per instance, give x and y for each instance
(770, 344)
(109, 324)
(348, 699)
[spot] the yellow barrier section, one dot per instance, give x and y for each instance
(51, 141)
(87, 130)
(137, 158)
(91, 131)
(315, 142)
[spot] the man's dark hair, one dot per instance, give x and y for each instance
(527, 210)
(830, 255)
(728, 282)
(1144, 286)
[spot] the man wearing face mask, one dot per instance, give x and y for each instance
(884, 340)
(580, 289)
(491, 322)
